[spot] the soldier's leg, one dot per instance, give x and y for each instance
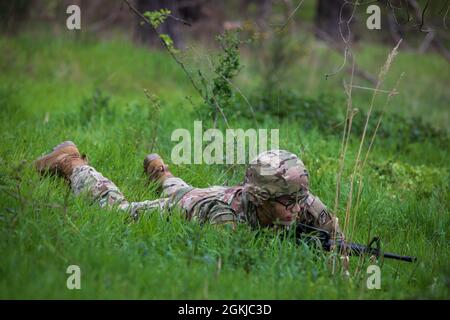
(66, 161)
(86, 180)
(158, 171)
(173, 184)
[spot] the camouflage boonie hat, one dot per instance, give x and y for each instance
(275, 173)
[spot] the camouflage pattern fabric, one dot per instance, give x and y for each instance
(272, 174)
(214, 205)
(87, 180)
(203, 205)
(316, 214)
(276, 173)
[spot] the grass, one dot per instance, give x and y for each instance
(44, 84)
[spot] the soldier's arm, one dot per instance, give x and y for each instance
(319, 216)
(148, 205)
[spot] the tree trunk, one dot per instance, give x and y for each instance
(330, 18)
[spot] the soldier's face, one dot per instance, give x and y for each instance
(284, 210)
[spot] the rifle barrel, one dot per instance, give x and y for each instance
(399, 257)
(350, 248)
(359, 249)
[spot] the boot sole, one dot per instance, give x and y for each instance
(158, 174)
(40, 162)
(149, 158)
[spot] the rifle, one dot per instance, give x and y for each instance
(306, 232)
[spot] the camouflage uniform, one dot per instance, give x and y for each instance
(272, 174)
(210, 204)
(85, 179)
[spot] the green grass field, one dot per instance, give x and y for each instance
(44, 85)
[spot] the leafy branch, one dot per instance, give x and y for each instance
(154, 19)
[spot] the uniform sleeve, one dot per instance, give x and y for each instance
(318, 215)
(148, 205)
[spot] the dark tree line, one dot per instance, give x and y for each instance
(420, 20)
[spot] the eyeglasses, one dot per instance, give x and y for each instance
(288, 204)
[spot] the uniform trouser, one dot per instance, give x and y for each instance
(86, 180)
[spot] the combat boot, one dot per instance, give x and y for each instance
(62, 160)
(155, 168)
